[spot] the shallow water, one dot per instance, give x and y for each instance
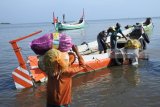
(121, 86)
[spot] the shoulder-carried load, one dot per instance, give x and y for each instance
(65, 43)
(51, 58)
(48, 41)
(42, 44)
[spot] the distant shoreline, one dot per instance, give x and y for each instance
(5, 23)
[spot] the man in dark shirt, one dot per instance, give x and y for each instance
(101, 39)
(113, 36)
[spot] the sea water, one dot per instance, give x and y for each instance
(119, 86)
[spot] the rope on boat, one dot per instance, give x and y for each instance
(85, 67)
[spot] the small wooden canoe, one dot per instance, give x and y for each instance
(70, 26)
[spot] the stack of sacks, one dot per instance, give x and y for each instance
(51, 49)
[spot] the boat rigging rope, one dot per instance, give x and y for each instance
(85, 67)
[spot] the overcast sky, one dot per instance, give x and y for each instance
(33, 11)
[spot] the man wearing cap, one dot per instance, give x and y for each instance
(114, 32)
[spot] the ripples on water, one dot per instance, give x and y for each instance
(107, 87)
(125, 86)
(121, 86)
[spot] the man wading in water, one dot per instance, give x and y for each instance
(57, 66)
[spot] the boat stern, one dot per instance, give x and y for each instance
(22, 78)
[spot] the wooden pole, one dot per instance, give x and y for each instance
(17, 49)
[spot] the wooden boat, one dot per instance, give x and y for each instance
(70, 26)
(28, 73)
(92, 63)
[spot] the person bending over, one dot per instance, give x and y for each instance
(101, 40)
(113, 36)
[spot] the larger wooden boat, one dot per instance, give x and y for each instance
(25, 76)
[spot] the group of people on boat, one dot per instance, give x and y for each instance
(135, 41)
(102, 37)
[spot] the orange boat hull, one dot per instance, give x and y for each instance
(39, 75)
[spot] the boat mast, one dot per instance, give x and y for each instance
(17, 49)
(55, 22)
(64, 18)
(83, 14)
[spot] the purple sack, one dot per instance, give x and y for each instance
(65, 43)
(42, 44)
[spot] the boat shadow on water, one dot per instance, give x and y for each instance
(111, 74)
(107, 83)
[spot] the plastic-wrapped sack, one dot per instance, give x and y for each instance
(51, 58)
(48, 41)
(65, 43)
(41, 45)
